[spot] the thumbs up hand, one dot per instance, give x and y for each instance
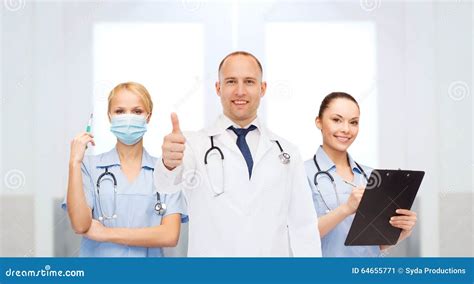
(175, 123)
(173, 145)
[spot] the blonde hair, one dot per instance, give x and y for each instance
(135, 88)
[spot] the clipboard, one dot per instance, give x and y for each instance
(386, 191)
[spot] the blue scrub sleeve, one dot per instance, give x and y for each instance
(87, 186)
(176, 203)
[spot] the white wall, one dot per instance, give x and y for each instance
(419, 103)
(454, 87)
(17, 127)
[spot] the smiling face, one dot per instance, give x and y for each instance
(339, 124)
(240, 88)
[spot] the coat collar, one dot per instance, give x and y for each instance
(111, 158)
(223, 122)
(218, 130)
(326, 164)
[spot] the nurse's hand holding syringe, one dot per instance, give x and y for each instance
(79, 144)
(79, 212)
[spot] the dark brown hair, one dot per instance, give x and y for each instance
(332, 96)
(245, 53)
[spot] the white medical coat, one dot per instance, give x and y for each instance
(272, 214)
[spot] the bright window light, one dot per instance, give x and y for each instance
(167, 58)
(307, 61)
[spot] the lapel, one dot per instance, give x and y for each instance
(221, 137)
(265, 144)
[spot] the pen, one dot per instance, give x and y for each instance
(350, 183)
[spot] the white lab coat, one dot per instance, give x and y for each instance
(270, 215)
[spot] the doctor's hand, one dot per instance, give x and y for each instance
(406, 220)
(97, 232)
(173, 145)
(78, 146)
(354, 199)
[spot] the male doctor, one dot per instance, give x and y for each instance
(244, 198)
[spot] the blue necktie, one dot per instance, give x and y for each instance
(243, 146)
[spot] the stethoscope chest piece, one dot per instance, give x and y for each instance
(114, 216)
(284, 157)
(160, 208)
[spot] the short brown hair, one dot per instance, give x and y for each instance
(244, 53)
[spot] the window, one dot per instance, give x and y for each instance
(158, 56)
(305, 61)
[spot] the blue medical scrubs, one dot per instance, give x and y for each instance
(135, 203)
(332, 244)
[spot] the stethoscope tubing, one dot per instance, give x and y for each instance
(329, 175)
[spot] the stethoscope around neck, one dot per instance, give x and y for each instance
(331, 178)
(284, 157)
(160, 207)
